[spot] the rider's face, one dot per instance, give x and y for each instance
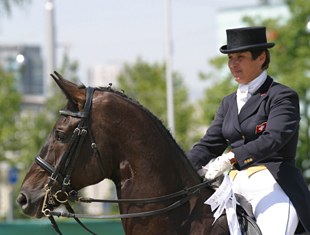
(243, 67)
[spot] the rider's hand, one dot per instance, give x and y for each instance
(219, 166)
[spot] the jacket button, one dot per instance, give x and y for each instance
(248, 160)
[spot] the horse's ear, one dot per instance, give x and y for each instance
(70, 89)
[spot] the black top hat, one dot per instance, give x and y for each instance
(245, 39)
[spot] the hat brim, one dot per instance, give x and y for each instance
(224, 49)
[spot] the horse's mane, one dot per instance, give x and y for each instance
(157, 121)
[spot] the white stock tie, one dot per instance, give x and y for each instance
(242, 96)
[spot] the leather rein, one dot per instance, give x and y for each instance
(62, 175)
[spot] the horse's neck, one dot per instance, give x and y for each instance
(150, 162)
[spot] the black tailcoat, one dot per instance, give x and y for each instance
(264, 133)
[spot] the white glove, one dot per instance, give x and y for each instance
(218, 166)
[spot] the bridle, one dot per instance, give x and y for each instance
(63, 171)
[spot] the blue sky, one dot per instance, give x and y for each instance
(118, 31)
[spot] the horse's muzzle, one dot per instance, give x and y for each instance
(29, 207)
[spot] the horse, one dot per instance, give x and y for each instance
(104, 134)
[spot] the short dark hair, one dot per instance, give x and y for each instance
(256, 53)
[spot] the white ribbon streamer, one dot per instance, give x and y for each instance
(224, 198)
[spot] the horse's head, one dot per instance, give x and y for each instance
(69, 159)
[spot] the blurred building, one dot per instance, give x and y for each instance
(26, 64)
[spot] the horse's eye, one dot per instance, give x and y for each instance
(60, 136)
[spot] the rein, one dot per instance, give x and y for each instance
(62, 174)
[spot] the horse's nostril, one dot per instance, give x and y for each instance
(22, 200)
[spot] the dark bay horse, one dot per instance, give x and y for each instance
(104, 134)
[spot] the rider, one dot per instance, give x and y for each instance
(259, 123)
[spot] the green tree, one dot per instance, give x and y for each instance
(292, 67)
(10, 98)
(10, 102)
(213, 95)
(146, 83)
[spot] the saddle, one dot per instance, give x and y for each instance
(246, 217)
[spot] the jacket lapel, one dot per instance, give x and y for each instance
(233, 111)
(251, 105)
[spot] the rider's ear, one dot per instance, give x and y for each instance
(72, 91)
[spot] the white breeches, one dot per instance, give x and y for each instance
(272, 208)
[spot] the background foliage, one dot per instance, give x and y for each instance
(10, 101)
